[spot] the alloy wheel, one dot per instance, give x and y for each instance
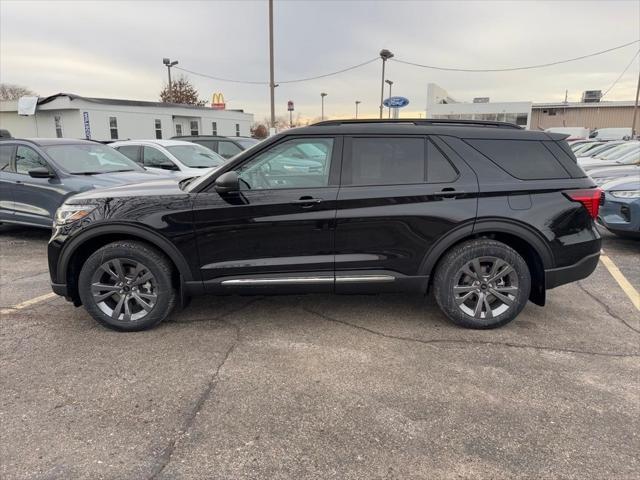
(124, 289)
(486, 287)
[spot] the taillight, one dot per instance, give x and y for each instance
(589, 197)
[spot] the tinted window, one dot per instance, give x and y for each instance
(211, 144)
(6, 152)
(523, 159)
(130, 151)
(156, 159)
(386, 161)
(28, 159)
(568, 161)
(299, 163)
(439, 170)
(228, 149)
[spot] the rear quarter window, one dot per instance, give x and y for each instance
(522, 159)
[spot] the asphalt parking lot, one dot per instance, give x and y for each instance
(319, 386)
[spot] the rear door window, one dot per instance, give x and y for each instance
(132, 152)
(522, 159)
(6, 153)
(385, 161)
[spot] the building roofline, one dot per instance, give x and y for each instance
(124, 102)
(617, 103)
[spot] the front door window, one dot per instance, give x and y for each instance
(298, 163)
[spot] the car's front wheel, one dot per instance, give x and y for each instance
(126, 286)
(482, 284)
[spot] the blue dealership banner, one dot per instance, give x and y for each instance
(87, 126)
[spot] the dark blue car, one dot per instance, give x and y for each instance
(38, 175)
(620, 212)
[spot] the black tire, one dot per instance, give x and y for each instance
(452, 284)
(156, 274)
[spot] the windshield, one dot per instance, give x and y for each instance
(601, 149)
(246, 142)
(83, 158)
(618, 152)
(196, 156)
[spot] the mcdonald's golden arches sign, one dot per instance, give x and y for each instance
(217, 101)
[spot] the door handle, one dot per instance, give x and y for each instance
(307, 201)
(448, 192)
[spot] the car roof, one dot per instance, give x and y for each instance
(42, 142)
(205, 137)
(162, 143)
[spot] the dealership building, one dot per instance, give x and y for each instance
(591, 112)
(66, 115)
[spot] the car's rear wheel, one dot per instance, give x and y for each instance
(127, 286)
(482, 284)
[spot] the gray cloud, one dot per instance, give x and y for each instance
(115, 48)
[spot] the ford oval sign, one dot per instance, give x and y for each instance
(396, 102)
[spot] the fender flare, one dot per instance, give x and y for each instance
(136, 231)
(489, 225)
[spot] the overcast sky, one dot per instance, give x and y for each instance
(115, 49)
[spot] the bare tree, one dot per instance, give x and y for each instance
(258, 130)
(182, 91)
(14, 92)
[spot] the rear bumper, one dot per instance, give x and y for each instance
(554, 277)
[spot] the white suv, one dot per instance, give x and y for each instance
(183, 159)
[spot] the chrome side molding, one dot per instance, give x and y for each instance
(308, 280)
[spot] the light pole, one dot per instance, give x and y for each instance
(358, 102)
(272, 83)
(169, 64)
(389, 82)
(384, 55)
(322, 95)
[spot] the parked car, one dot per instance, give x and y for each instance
(620, 211)
(574, 144)
(38, 175)
(181, 159)
(484, 214)
(598, 148)
(582, 149)
(606, 174)
(226, 147)
(574, 133)
(611, 134)
(625, 154)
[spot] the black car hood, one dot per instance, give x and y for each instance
(160, 187)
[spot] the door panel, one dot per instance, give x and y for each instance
(392, 227)
(36, 199)
(279, 225)
(7, 206)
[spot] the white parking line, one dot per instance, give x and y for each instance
(627, 288)
(27, 303)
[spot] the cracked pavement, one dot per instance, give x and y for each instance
(319, 386)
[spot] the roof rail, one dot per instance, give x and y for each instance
(421, 122)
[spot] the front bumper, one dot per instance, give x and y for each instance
(554, 277)
(620, 215)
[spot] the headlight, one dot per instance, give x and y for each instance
(71, 213)
(626, 194)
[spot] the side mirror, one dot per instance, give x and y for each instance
(40, 172)
(227, 182)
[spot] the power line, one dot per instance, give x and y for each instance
(488, 70)
(621, 75)
(250, 82)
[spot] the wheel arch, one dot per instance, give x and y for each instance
(527, 242)
(81, 247)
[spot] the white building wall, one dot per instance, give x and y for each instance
(133, 121)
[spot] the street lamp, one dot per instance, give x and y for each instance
(389, 82)
(322, 95)
(169, 64)
(384, 55)
(358, 102)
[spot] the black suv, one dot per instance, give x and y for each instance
(226, 147)
(484, 214)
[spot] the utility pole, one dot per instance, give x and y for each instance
(169, 64)
(390, 83)
(635, 109)
(357, 103)
(384, 55)
(322, 95)
(272, 83)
